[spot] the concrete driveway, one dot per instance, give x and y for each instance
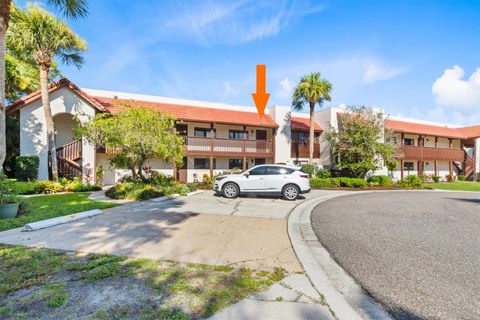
(203, 228)
(418, 253)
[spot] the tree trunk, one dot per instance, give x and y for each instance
(4, 15)
(312, 130)
(49, 121)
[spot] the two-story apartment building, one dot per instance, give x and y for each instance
(220, 137)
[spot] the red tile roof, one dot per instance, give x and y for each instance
(470, 132)
(191, 113)
(303, 124)
(424, 129)
(52, 87)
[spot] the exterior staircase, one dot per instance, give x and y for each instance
(68, 157)
(469, 167)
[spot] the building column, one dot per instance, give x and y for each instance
(450, 168)
(274, 135)
(244, 164)
(401, 169)
(435, 171)
(419, 167)
(476, 159)
(211, 148)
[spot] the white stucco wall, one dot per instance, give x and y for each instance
(476, 157)
(33, 134)
(282, 116)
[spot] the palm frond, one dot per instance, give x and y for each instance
(73, 9)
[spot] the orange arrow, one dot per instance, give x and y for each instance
(261, 97)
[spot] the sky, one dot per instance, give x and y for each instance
(418, 58)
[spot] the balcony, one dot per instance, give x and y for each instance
(430, 153)
(302, 150)
(202, 146)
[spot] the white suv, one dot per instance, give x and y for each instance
(287, 181)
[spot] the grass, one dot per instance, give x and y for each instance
(457, 185)
(51, 279)
(51, 206)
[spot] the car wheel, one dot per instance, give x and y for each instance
(230, 190)
(290, 192)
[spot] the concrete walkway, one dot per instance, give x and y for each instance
(292, 298)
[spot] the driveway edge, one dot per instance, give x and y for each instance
(344, 296)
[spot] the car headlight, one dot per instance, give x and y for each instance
(219, 178)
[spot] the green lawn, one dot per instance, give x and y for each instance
(51, 206)
(457, 185)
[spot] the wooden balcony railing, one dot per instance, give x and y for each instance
(430, 153)
(71, 151)
(302, 150)
(202, 146)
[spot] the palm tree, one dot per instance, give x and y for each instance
(70, 8)
(37, 34)
(311, 90)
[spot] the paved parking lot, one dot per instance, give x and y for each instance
(416, 252)
(203, 228)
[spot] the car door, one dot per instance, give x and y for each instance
(254, 180)
(276, 178)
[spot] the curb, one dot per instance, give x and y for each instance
(34, 226)
(344, 296)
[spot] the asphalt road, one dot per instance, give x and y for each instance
(418, 253)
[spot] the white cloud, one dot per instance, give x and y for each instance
(229, 90)
(376, 70)
(234, 22)
(452, 91)
(285, 89)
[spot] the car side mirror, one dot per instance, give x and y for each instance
(246, 174)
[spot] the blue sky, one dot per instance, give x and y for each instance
(412, 58)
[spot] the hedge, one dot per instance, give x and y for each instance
(320, 183)
(381, 180)
(352, 182)
(26, 168)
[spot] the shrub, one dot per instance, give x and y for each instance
(380, 180)
(48, 187)
(450, 178)
(411, 181)
(324, 183)
(26, 168)
(436, 178)
(76, 185)
(461, 178)
(140, 190)
(323, 174)
(24, 187)
(352, 182)
(308, 168)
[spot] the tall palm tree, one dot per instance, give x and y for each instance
(312, 89)
(39, 35)
(70, 8)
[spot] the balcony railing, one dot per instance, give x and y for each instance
(302, 150)
(430, 153)
(203, 146)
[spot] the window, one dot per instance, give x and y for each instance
(304, 136)
(278, 170)
(300, 136)
(408, 142)
(203, 163)
(235, 163)
(258, 171)
(237, 135)
(204, 132)
(408, 166)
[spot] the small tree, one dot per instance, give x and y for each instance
(134, 136)
(360, 143)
